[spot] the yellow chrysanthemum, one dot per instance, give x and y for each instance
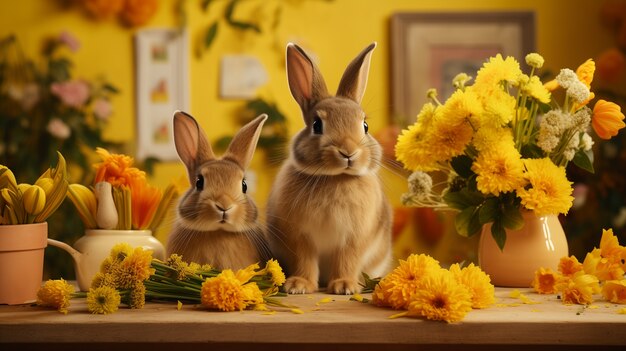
(182, 268)
(545, 281)
(395, 289)
(497, 70)
(578, 289)
(498, 107)
(440, 297)
(103, 300)
(245, 274)
(610, 247)
(120, 251)
(477, 282)
(537, 90)
(602, 267)
(549, 191)
(137, 296)
(55, 293)
(489, 138)
(615, 291)
(412, 147)
(499, 171)
(135, 268)
(568, 266)
(275, 271)
(226, 292)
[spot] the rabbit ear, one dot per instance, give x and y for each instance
(191, 143)
(354, 79)
(241, 148)
(305, 81)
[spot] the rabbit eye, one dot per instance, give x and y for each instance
(317, 126)
(365, 127)
(199, 182)
(244, 186)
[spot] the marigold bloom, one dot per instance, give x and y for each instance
(138, 264)
(116, 169)
(395, 289)
(497, 70)
(137, 296)
(578, 289)
(55, 293)
(615, 291)
(568, 266)
(276, 272)
(545, 281)
(550, 192)
(103, 300)
(607, 119)
(499, 171)
(226, 292)
(477, 282)
(441, 298)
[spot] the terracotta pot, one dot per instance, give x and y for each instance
(90, 250)
(21, 261)
(540, 243)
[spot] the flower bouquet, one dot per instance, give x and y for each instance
(503, 144)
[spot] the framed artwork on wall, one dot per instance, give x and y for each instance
(162, 83)
(429, 49)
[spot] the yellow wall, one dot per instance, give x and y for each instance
(568, 32)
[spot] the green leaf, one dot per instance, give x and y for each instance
(512, 218)
(205, 4)
(228, 14)
(584, 160)
(489, 211)
(210, 35)
(462, 199)
(462, 165)
(222, 143)
(499, 234)
(467, 223)
(531, 151)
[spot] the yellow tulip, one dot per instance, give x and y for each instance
(85, 202)
(607, 119)
(7, 178)
(47, 184)
(34, 198)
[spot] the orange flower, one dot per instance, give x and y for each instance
(578, 289)
(145, 200)
(585, 72)
(116, 169)
(611, 64)
(615, 291)
(607, 119)
(139, 12)
(569, 265)
(545, 281)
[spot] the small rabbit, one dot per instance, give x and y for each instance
(329, 217)
(216, 221)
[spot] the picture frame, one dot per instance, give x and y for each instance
(429, 49)
(162, 87)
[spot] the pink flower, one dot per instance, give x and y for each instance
(70, 40)
(102, 108)
(73, 93)
(58, 129)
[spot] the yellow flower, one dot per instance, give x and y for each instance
(395, 289)
(137, 296)
(55, 293)
(534, 60)
(578, 289)
(412, 146)
(498, 107)
(183, 268)
(135, 268)
(226, 292)
(537, 90)
(615, 291)
(478, 284)
(120, 251)
(602, 267)
(244, 275)
(545, 281)
(568, 266)
(550, 192)
(497, 70)
(610, 247)
(499, 171)
(585, 72)
(85, 202)
(607, 119)
(440, 297)
(103, 300)
(275, 271)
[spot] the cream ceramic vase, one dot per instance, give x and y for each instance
(540, 243)
(90, 250)
(21, 261)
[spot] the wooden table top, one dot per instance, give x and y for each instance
(327, 319)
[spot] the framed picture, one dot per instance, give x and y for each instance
(162, 82)
(429, 49)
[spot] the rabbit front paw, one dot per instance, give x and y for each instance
(299, 285)
(343, 287)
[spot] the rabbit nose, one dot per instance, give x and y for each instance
(349, 156)
(222, 208)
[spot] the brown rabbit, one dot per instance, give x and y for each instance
(217, 222)
(327, 210)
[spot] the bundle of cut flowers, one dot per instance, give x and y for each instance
(602, 271)
(131, 276)
(503, 143)
(423, 288)
(121, 197)
(32, 203)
